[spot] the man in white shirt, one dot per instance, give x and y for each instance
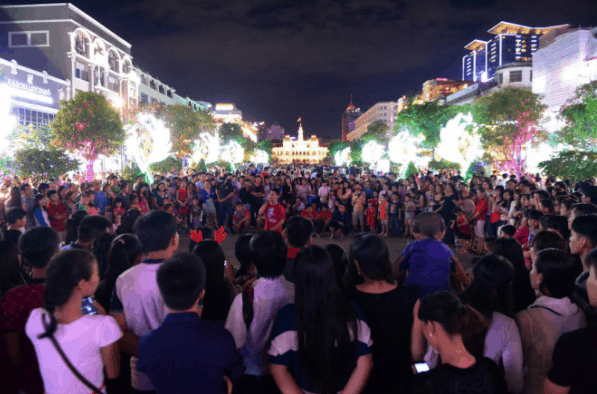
(136, 303)
(270, 293)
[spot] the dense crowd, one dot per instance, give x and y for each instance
(96, 295)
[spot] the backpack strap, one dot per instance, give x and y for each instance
(248, 298)
(546, 308)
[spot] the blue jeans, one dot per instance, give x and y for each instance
(225, 214)
(394, 225)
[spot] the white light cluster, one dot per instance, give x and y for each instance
(207, 147)
(372, 152)
(232, 153)
(259, 156)
(161, 147)
(405, 148)
(342, 157)
(457, 144)
(7, 121)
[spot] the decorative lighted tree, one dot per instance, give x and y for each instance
(342, 157)
(207, 148)
(89, 126)
(259, 156)
(508, 122)
(457, 144)
(579, 116)
(148, 142)
(232, 153)
(372, 152)
(185, 127)
(405, 148)
(7, 121)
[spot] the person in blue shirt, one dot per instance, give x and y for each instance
(186, 354)
(103, 198)
(428, 263)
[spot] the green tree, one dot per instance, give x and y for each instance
(427, 119)
(131, 172)
(185, 127)
(51, 162)
(89, 126)
(377, 131)
(166, 166)
(231, 132)
(410, 170)
(334, 147)
(507, 121)
(575, 165)
(444, 165)
(579, 116)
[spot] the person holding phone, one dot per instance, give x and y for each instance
(62, 333)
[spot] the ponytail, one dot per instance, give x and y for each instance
(65, 271)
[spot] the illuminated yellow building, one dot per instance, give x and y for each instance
(434, 88)
(300, 151)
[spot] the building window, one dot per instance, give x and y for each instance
(28, 39)
(28, 117)
(500, 78)
(144, 98)
(169, 93)
(516, 76)
(152, 85)
(144, 79)
(82, 72)
(113, 84)
(161, 89)
(81, 45)
(113, 62)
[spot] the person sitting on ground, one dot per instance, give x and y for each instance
(507, 231)
(340, 223)
(298, 234)
(457, 332)
(36, 246)
(321, 221)
(136, 302)
(320, 343)
(91, 227)
(206, 360)
(574, 360)
(16, 218)
(241, 219)
(550, 316)
(428, 263)
(88, 341)
(251, 331)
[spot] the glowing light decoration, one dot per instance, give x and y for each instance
(342, 157)
(405, 148)
(7, 122)
(207, 147)
(383, 166)
(457, 144)
(372, 152)
(534, 156)
(259, 156)
(161, 146)
(232, 153)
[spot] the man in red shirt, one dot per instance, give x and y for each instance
(274, 212)
(322, 220)
(58, 213)
(479, 215)
(311, 212)
(37, 246)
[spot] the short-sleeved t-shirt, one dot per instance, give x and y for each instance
(273, 215)
(284, 348)
(482, 208)
(429, 263)
(81, 342)
(575, 361)
(18, 304)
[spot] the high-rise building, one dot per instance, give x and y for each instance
(275, 132)
(348, 118)
(511, 43)
(384, 111)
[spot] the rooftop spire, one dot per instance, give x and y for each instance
(351, 106)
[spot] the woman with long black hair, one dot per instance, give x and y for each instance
(321, 343)
(88, 341)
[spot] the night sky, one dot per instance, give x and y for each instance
(278, 60)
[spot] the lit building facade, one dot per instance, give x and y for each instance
(274, 132)
(300, 151)
(434, 88)
(227, 113)
(565, 61)
(349, 117)
(510, 43)
(68, 44)
(384, 111)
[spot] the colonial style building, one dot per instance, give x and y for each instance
(300, 150)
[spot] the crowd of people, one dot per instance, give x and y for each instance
(96, 295)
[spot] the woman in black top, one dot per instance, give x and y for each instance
(390, 332)
(457, 332)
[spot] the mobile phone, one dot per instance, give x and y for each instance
(87, 306)
(421, 367)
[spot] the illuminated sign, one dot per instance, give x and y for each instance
(224, 107)
(441, 79)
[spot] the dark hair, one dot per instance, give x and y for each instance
(586, 227)
(324, 320)
(559, 270)
(491, 289)
(208, 234)
(269, 253)
(13, 214)
(65, 272)
(446, 309)
(429, 224)
(591, 192)
(155, 230)
(559, 224)
(181, 279)
(509, 230)
(91, 227)
(101, 251)
(583, 209)
(127, 221)
(37, 246)
(510, 249)
(298, 231)
(591, 259)
(547, 203)
(534, 214)
(43, 186)
(372, 255)
(10, 273)
(242, 252)
(547, 240)
(37, 205)
(340, 261)
(72, 226)
(217, 291)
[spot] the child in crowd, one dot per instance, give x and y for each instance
(165, 200)
(209, 207)
(394, 215)
(383, 215)
(169, 207)
(428, 263)
(409, 216)
(507, 231)
(182, 200)
(118, 211)
(371, 214)
(83, 205)
(195, 214)
(17, 220)
(462, 229)
(135, 203)
(39, 211)
(241, 218)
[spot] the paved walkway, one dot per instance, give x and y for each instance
(395, 246)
